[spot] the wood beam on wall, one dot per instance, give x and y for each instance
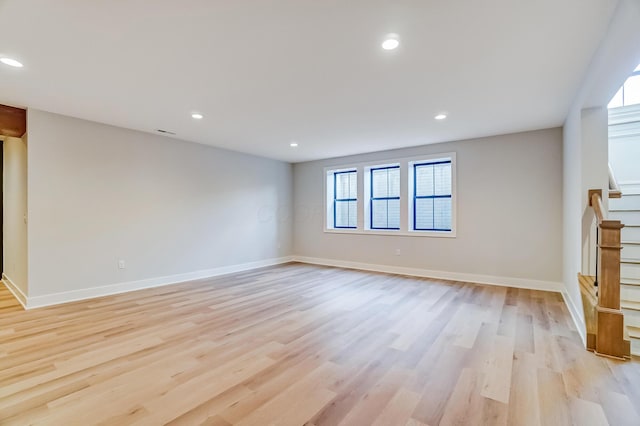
(13, 121)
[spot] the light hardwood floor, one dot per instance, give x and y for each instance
(299, 344)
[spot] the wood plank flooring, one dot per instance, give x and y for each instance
(306, 345)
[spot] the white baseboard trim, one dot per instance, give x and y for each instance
(93, 292)
(575, 316)
(443, 275)
(15, 290)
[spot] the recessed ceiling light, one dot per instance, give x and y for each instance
(197, 116)
(391, 41)
(390, 44)
(440, 116)
(11, 62)
(293, 144)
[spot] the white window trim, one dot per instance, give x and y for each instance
(329, 197)
(367, 195)
(454, 203)
(406, 197)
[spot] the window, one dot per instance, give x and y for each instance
(629, 93)
(384, 206)
(412, 197)
(345, 199)
(432, 196)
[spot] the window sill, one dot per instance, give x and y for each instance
(394, 233)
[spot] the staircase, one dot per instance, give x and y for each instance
(627, 210)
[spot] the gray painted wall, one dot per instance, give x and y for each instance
(509, 191)
(98, 194)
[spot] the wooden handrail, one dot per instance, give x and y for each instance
(595, 201)
(609, 334)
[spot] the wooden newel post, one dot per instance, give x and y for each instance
(610, 319)
(609, 259)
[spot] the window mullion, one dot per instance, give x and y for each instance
(433, 203)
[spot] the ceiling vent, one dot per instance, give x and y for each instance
(166, 132)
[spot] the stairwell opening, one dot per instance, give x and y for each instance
(624, 160)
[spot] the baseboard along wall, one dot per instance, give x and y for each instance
(30, 302)
(443, 275)
(90, 293)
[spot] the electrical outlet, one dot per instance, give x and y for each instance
(121, 264)
(397, 252)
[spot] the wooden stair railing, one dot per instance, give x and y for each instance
(609, 320)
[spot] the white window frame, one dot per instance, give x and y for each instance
(368, 193)
(363, 171)
(450, 156)
(329, 223)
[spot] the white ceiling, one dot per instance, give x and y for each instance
(267, 72)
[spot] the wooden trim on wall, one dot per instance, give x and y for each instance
(13, 121)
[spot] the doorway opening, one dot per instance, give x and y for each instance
(13, 200)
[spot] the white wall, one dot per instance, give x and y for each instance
(15, 209)
(509, 191)
(573, 212)
(624, 147)
(98, 194)
(594, 171)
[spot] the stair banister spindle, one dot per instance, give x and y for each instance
(595, 283)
